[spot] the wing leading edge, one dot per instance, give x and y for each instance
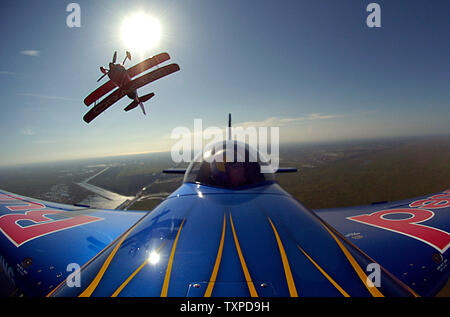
(42, 243)
(410, 238)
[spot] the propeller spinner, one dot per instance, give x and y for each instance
(114, 58)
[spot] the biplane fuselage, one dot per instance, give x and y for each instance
(119, 76)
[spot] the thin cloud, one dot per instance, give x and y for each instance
(30, 52)
(27, 131)
(44, 142)
(5, 72)
(46, 97)
(278, 122)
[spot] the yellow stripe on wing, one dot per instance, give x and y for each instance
(121, 287)
(165, 287)
(91, 288)
(325, 274)
(373, 290)
(287, 268)
(248, 279)
(212, 280)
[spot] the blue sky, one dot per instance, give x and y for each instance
(315, 63)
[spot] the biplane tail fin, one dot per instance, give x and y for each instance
(139, 101)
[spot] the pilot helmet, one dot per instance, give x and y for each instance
(218, 168)
(221, 164)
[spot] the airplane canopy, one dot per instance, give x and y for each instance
(229, 164)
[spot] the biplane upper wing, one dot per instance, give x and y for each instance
(410, 238)
(41, 243)
(132, 72)
(154, 75)
(147, 64)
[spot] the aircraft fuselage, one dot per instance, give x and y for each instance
(119, 76)
(207, 241)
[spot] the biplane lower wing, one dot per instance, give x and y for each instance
(410, 238)
(104, 104)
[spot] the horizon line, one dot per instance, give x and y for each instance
(116, 155)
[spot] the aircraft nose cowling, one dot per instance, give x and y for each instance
(226, 243)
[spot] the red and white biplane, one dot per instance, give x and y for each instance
(121, 79)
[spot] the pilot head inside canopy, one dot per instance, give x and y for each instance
(228, 164)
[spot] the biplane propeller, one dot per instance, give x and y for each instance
(106, 71)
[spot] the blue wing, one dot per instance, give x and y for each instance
(39, 239)
(284, 245)
(410, 238)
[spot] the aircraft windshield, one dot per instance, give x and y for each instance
(229, 164)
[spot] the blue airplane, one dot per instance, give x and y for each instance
(227, 231)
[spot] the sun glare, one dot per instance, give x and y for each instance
(153, 258)
(140, 32)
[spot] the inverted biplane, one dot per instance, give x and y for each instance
(121, 79)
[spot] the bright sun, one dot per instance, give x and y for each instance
(140, 32)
